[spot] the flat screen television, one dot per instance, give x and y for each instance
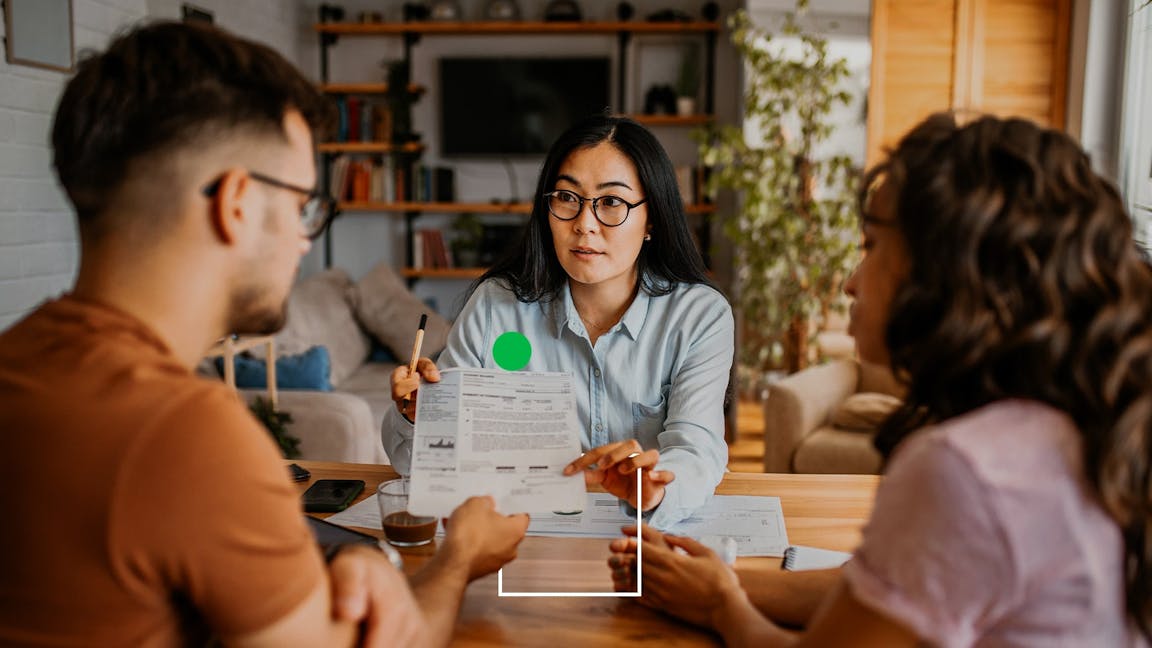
(516, 106)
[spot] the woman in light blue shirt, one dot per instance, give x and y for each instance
(608, 285)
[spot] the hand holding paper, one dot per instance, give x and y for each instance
(611, 466)
(500, 433)
(482, 538)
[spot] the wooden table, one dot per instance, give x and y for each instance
(820, 510)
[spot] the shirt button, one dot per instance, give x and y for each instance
(596, 372)
(599, 427)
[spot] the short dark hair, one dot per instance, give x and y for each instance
(162, 86)
(533, 271)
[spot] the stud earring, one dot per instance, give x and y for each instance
(647, 237)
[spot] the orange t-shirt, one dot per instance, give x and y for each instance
(143, 505)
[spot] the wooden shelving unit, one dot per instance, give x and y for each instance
(672, 120)
(412, 33)
(441, 273)
(369, 147)
(517, 27)
(475, 208)
(366, 88)
(425, 207)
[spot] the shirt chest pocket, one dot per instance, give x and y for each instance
(648, 420)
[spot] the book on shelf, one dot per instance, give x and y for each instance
(353, 106)
(338, 177)
(363, 120)
(692, 182)
(429, 250)
(434, 184)
(684, 182)
(361, 172)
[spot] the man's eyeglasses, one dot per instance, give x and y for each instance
(316, 213)
(610, 210)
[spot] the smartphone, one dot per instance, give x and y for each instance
(329, 536)
(331, 495)
(298, 474)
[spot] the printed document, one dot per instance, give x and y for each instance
(755, 522)
(500, 433)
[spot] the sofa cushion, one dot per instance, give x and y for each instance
(308, 370)
(864, 412)
(372, 383)
(319, 315)
(878, 378)
(388, 310)
(832, 450)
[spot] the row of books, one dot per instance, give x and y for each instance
(364, 180)
(430, 251)
(692, 182)
(379, 179)
(363, 120)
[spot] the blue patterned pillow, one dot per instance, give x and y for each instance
(308, 370)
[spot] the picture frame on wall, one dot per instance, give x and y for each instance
(191, 13)
(39, 33)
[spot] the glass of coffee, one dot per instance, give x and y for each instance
(401, 528)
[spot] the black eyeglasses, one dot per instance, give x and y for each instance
(610, 210)
(316, 213)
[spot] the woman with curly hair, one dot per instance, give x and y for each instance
(1001, 282)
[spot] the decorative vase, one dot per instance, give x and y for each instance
(685, 106)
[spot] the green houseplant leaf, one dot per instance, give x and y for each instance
(277, 424)
(794, 233)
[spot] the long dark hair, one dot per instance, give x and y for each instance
(532, 270)
(1025, 282)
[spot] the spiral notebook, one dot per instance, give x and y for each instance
(799, 558)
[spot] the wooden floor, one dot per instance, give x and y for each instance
(747, 453)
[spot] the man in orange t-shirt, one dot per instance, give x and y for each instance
(146, 506)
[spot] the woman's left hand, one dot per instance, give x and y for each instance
(611, 466)
(681, 576)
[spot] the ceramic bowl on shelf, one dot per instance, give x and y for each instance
(445, 10)
(502, 10)
(563, 11)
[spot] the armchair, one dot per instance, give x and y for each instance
(822, 419)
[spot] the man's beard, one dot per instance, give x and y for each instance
(247, 314)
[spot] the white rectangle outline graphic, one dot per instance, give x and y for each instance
(639, 568)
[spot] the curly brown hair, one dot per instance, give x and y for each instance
(1026, 283)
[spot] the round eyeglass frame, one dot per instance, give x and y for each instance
(594, 201)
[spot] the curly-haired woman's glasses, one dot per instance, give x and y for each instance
(610, 210)
(316, 213)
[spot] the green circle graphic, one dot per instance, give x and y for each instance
(512, 351)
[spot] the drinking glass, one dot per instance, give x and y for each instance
(401, 528)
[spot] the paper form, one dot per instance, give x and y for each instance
(499, 433)
(755, 522)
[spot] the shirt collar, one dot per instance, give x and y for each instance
(564, 314)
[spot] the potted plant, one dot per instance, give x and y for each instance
(794, 233)
(467, 232)
(688, 81)
(277, 424)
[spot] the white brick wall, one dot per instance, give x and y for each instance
(38, 248)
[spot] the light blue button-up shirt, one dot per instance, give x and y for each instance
(659, 376)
